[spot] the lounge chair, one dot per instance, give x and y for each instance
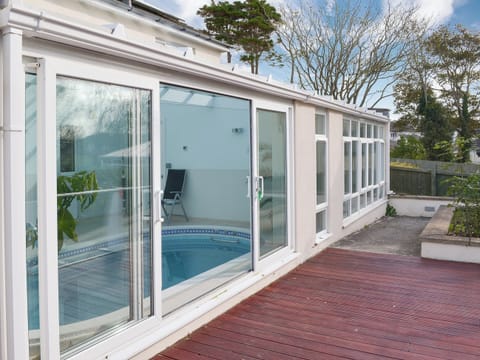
(173, 192)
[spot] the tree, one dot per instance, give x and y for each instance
(447, 61)
(434, 125)
(348, 49)
(409, 147)
(247, 24)
(456, 59)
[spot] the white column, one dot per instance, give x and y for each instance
(13, 194)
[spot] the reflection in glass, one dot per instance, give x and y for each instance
(354, 202)
(321, 172)
(346, 167)
(103, 186)
(321, 221)
(208, 136)
(320, 124)
(363, 200)
(364, 165)
(354, 166)
(272, 167)
(370, 164)
(346, 209)
(363, 130)
(31, 212)
(346, 127)
(354, 128)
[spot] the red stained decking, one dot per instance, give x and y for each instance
(354, 305)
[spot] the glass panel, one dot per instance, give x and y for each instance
(346, 127)
(31, 212)
(375, 194)
(354, 205)
(321, 221)
(355, 166)
(206, 236)
(370, 164)
(346, 209)
(369, 197)
(67, 148)
(347, 167)
(272, 166)
(363, 130)
(363, 200)
(103, 207)
(320, 124)
(354, 128)
(381, 132)
(375, 131)
(369, 130)
(382, 161)
(378, 162)
(364, 165)
(321, 172)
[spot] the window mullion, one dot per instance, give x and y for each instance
(47, 206)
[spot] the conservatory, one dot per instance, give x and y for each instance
(146, 187)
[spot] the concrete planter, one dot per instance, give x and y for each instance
(437, 244)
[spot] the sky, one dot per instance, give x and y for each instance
(442, 11)
(447, 12)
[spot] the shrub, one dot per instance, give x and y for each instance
(466, 192)
(409, 147)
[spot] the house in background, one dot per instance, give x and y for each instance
(100, 100)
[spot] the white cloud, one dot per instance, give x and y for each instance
(437, 11)
(187, 10)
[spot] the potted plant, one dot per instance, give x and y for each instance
(82, 187)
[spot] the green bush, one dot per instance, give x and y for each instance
(466, 192)
(409, 147)
(390, 211)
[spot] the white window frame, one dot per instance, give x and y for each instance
(373, 166)
(322, 207)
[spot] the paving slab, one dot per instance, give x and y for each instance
(388, 235)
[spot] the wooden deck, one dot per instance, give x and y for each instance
(354, 305)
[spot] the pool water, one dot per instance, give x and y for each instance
(184, 255)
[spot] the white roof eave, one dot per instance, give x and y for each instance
(46, 26)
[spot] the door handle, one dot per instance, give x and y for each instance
(158, 206)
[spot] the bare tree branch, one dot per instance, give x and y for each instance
(349, 49)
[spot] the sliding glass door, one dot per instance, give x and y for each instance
(206, 236)
(103, 206)
(272, 180)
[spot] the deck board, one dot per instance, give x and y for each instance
(355, 305)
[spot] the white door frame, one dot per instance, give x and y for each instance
(49, 67)
(260, 264)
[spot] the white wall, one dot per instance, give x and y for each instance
(305, 178)
(205, 141)
(424, 206)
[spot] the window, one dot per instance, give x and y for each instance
(321, 192)
(364, 165)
